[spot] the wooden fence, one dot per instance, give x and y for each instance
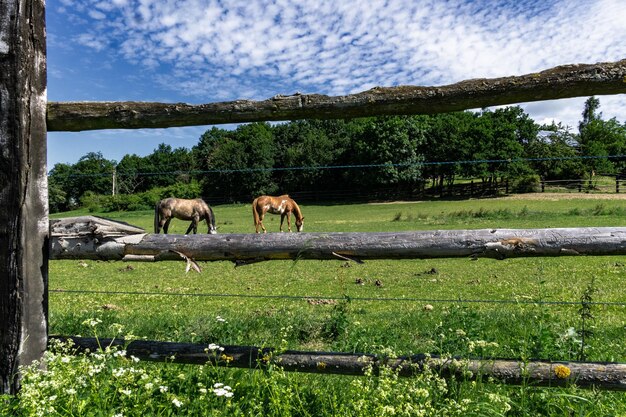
(25, 117)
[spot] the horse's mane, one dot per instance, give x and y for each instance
(296, 208)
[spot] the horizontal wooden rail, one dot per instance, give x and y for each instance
(604, 375)
(86, 238)
(556, 83)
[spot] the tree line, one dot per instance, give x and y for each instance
(400, 154)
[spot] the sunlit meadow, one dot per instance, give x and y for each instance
(516, 308)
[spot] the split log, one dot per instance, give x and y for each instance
(23, 189)
(604, 375)
(485, 243)
(556, 83)
(96, 237)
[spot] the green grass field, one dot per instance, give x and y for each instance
(182, 306)
(515, 308)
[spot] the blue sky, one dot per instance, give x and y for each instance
(200, 51)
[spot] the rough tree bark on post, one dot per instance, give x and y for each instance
(23, 188)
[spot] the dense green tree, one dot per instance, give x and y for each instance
(92, 173)
(392, 142)
(131, 174)
(499, 138)
(445, 143)
(241, 160)
(599, 139)
(301, 146)
(59, 184)
(554, 153)
(168, 166)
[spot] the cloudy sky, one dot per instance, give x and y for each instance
(200, 51)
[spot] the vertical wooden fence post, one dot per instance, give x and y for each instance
(24, 226)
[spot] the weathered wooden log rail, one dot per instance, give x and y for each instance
(555, 83)
(605, 375)
(94, 238)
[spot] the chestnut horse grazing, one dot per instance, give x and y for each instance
(194, 210)
(283, 205)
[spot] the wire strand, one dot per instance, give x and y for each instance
(323, 297)
(356, 166)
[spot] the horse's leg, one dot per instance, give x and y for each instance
(166, 225)
(261, 217)
(282, 219)
(289, 221)
(194, 223)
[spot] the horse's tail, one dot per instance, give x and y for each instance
(212, 226)
(156, 217)
(255, 213)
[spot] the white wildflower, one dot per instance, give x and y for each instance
(177, 402)
(222, 390)
(213, 347)
(92, 322)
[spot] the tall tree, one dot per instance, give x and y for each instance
(91, 173)
(590, 113)
(59, 188)
(446, 142)
(392, 142)
(303, 147)
(133, 174)
(168, 166)
(243, 160)
(554, 152)
(600, 140)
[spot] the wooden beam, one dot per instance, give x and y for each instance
(555, 83)
(91, 243)
(23, 188)
(603, 375)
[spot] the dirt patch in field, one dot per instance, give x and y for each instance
(539, 196)
(565, 196)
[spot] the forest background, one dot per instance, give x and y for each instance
(402, 155)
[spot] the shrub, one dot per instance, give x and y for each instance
(526, 184)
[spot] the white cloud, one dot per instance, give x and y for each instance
(258, 48)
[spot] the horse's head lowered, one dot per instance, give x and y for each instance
(300, 224)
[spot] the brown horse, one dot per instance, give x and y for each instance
(194, 210)
(283, 205)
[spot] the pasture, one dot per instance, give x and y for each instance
(515, 308)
